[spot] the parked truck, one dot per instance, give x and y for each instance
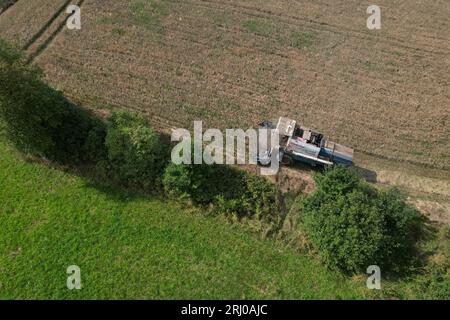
(301, 144)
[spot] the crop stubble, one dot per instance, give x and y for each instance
(233, 63)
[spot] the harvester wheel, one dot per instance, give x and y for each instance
(287, 160)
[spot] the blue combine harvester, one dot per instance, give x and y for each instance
(298, 143)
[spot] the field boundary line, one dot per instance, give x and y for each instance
(320, 26)
(46, 43)
(46, 25)
(7, 5)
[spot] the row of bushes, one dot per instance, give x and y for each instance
(136, 157)
(42, 122)
(351, 224)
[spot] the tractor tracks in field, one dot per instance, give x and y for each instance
(46, 26)
(49, 31)
(317, 25)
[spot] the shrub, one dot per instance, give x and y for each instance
(94, 146)
(436, 283)
(230, 190)
(136, 155)
(261, 199)
(39, 120)
(229, 207)
(353, 225)
(434, 280)
(203, 183)
(177, 181)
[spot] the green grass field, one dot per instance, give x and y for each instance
(131, 247)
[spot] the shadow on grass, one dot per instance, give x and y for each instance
(415, 263)
(91, 178)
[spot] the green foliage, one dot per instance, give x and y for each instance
(302, 40)
(203, 183)
(39, 120)
(9, 53)
(94, 146)
(261, 198)
(136, 156)
(353, 225)
(228, 207)
(177, 181)
(232, 191)
(434, 282)
(402, 228)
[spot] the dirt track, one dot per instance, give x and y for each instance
(233, 63)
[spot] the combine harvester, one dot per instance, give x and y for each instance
(301, 144)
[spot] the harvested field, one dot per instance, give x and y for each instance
(24, 21)
(233, 63)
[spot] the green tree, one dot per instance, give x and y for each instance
(353, 225)
(39, 120)
(136, 155)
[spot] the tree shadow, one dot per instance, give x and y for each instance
(414, 264)
(91, 178)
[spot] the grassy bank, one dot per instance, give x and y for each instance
(131, 247)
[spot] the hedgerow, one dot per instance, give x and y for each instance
(39, 120)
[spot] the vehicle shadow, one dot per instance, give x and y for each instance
(366, 174)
